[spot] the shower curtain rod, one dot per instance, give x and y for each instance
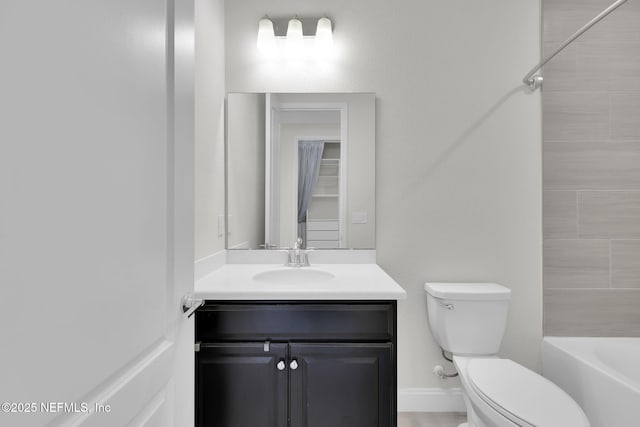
(534, 82)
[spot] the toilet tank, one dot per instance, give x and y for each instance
(468, 318)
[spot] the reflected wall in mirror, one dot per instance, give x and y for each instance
(300, 165)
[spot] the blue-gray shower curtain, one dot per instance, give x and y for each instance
(309, 158)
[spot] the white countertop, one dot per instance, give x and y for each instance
(351, 282)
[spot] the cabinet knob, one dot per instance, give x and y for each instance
(293, 365)
(281, 365)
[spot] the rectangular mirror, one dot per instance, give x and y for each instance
(300, 166)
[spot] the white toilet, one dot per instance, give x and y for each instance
(468, 320)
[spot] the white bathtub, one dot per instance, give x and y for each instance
(601, 374)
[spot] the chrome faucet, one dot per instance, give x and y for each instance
(297, 257)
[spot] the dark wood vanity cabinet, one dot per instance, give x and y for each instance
(296, 364)
(239, 384)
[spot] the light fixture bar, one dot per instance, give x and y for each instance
(309, 24)
(295, 37)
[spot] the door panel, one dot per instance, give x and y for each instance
(241, 386)
(340, 385)
(95, 238)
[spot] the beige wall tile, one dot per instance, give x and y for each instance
(559, 215)
(625, 264)
(625, 65)
(591, 165)
(560, 73)
(625, 115)
(560, 19)
(621, 25)
(575, 116)
(591, 123)
(594, 65)
(592, 312)
(609, 214)
(576, 264)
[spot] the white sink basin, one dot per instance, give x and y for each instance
(293, 275)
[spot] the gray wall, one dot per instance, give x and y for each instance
(245, 175)
(591, 158)
(458, 157)
(209, 126)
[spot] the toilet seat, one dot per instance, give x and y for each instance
(522, 396)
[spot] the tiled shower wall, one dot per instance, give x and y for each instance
(591, 171)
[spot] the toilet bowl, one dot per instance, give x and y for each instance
(468, 320)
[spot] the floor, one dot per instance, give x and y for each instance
(430, 419)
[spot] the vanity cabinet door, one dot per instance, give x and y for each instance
(241, 385)
(341, 385)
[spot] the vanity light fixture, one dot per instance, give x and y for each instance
(292, 35)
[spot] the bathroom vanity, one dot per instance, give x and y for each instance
(298, 345)
(296, 352)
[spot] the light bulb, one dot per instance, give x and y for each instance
(266, 36)
(295, 38)
(324, 35)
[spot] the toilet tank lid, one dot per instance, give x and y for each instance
(468, 291)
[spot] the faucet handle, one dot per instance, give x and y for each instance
(304, 259)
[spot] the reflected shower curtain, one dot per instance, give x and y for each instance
(309, 157)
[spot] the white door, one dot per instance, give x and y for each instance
(96, 228)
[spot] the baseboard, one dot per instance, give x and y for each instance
(430, 400)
